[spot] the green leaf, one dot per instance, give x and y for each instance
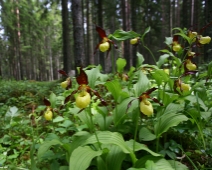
(173, 108)
(177, 165)
(140, 59)
(163, 59)
(142, 85)
(121, 35)
(12, 112)
(115, 157)
(52, 99)
(146, 135)
(93, 75)
(120, 111)
(160, 163)
(150, 165)
(115, 88)
(120, 63)
(81, 157)
(167, 121)
(58, 119)
(138, 146)
(46, 145)
(107, 137)
(160, 76)
(145, 32)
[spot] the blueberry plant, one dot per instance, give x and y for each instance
(149, 117)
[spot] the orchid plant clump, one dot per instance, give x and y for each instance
(111, 117)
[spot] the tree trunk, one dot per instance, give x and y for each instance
(66, 37)
(78, 34)
(125, 15)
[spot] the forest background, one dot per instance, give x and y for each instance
(39, 37)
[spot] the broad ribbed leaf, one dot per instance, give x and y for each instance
(52, 99)
(177, 165)
(146, 135)
(138, 146)
(162, 59)
(142, 85)
(160, 163)
(115, 157)
(93, 75)
(121, 110)
(173, 108)
(115, 88)
(106, 137)
(166, 121)
(81, 158)
(46, 145)
(120, 63)
(121, 35)
(140, 59)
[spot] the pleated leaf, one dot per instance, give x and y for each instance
(46, 145)
(138, 146)
(160, 163)
(82, 157)
(167, 121)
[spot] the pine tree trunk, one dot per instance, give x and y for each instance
(78, 34)
(66, 37)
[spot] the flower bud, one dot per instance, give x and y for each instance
(204, 40)
(83, 99)
(146, 107)
(48, 114)
(104, 46)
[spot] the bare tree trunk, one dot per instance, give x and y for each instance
(66, 37)
(78, 34)
(100, 23)
(125, 15)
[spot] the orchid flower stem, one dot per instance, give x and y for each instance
(92, 127)
(136, 129)
(149, 51)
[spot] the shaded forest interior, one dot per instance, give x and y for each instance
(37, 38)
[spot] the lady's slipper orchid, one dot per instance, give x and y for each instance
(204, 40)
(189, 65)
(191, 54)
(48, 114)
(192, 36)
(180, 87)
(135, 41)
(175, 45)
(66, 84)
(83, 97)
(145, 105)
(105, 44)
